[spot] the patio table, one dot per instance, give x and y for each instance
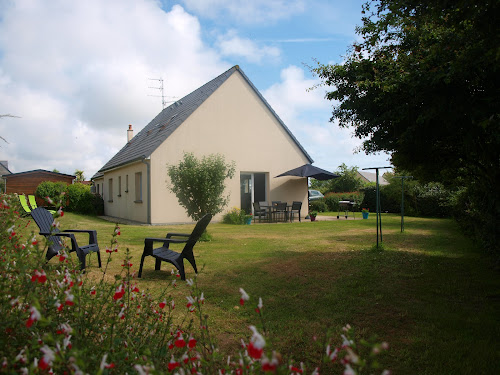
(270, 207)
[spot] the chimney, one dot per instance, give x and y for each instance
(130, 133)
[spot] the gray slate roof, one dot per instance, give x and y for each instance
(4, 168)
(165, 123)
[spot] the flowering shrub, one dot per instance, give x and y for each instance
(56, 319)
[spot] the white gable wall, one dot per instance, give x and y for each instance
(234, 122)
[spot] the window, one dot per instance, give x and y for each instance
(110, 190)
(126, 183)
(97, 185)
(138, 187)
(119, 186)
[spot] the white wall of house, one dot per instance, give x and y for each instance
(129, 196)
(234, 122)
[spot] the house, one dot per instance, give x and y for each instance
(27, 182)
(372, 177)
(228, 116)
(4, 170)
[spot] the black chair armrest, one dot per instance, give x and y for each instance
(148, 243)
(71, 236)
(92, 234)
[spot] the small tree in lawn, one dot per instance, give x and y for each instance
(199, 183)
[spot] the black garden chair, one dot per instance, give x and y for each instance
(296, 207)
(44, 220)
(164, 253)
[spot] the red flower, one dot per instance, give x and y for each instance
(191, 342)
(34, 316)
(119, 293)
(173, 364)
(180, 343)
(244, 297)
(254, 352)
(41, 277)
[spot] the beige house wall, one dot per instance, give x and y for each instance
(234, 122)
(123, 204)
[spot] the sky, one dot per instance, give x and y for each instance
(76, 73)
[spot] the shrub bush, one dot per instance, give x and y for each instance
(234, 216)
(318, 205)
(332, 200)
(50, 189)
(79, 199)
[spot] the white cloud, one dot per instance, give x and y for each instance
(77, 74)
(247, 12)
(231, 44)
(306, 113)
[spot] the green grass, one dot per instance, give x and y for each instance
(428, 292)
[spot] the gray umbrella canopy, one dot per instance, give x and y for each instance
(308, 170)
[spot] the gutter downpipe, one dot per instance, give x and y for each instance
(147, 161)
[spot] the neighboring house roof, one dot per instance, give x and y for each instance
(39, 171)
(168, 120)
(4, 168)
(372, 177)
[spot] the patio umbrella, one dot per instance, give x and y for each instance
(308, 170)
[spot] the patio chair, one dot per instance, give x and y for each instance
(280, 211)
(296, 207)
(44, 220)
(24, 204)
(164, 254)
(259, 212)
(33, 204)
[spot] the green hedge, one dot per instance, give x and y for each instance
(79, 199)
(332, 200)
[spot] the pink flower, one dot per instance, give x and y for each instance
(34, 316)
(244, 297)
(60, 212)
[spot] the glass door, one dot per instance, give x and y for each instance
(246, 192)
(252, 189)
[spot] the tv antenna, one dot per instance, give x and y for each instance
(162, 96)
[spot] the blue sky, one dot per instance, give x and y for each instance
(76, 72)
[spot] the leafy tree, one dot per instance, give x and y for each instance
(347, 182)
(55, 170)
(199, 184)
(80, 177)
(422, 84)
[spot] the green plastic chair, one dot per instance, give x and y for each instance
(24, 204)
(33, 204)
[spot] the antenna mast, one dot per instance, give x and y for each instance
(163, 102)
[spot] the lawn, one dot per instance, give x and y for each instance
(429, 292)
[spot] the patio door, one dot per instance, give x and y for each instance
(252, 189)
